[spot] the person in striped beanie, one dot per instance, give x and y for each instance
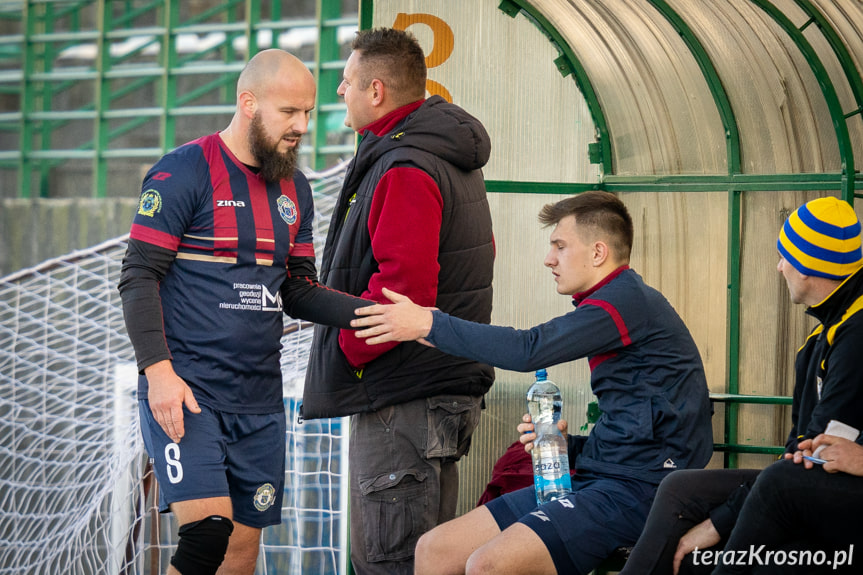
(820, 260)
(696, 511)
(822, 239)
(819, 245)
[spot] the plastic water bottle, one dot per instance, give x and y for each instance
(550, 459)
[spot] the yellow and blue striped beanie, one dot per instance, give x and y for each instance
(822, 238)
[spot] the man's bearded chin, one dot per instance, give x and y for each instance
(274, 165)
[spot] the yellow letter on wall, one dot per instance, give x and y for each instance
(442, 46)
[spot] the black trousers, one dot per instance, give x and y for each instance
(807, 520)
(684, 499)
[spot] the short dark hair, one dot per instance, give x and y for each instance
(394, 57)
(601, 212)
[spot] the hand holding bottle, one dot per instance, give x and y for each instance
(549, 450)
(527, 431)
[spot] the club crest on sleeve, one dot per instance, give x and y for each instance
(265, 497)
(150, 204)
(287, 209)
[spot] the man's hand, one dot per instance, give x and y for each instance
(702, 536)
(526, 430)
(402, 321)
(803, 448)
(167, 394)
(840, 454)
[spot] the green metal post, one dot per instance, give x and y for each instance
(328, 79)
(568, 63)
(732, 142)
(168, 85)
(102, 100)
(25, 175)
(253, 16)
(229, 54)
(733, 326)
(855, 82)
(46, 52)
(851, 73)
(366, 11)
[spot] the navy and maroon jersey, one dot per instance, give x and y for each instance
(221, 303)
(645, 371)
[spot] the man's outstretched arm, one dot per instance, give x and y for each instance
(403, 320)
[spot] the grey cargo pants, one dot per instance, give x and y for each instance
(403, 477)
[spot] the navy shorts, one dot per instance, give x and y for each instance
(581, 530)
(240, 456)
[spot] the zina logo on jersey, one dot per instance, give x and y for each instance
(230, 203)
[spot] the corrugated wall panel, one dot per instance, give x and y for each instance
(682, 253)
(785, 125)
(771, 327)
(846, 20)
(662, 118)
(502, 70)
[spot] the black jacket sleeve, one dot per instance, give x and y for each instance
(144, 266)
(304, 298)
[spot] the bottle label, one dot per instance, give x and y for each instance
(551, 479)
(548, 468)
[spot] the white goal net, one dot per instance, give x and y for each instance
(76, 493)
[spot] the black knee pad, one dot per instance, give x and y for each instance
(202, 545)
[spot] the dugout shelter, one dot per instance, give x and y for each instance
(712, 120)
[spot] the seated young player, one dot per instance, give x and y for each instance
(646, 373)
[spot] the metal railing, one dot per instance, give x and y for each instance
(102, 82)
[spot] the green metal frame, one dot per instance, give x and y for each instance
(37, 82)
(735, 198)
(735, 183)
(846, 152)
(567, 63)
(733, 400)
(845, 60)
(330, 112)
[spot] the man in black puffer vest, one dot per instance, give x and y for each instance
(413, 217)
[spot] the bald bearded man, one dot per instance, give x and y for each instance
(220, 246)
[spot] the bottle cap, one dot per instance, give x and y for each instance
(541, 374)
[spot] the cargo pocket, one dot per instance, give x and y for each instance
(394, 506)
(451, 421)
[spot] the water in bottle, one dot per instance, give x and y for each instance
(544, 402)
(549, 453)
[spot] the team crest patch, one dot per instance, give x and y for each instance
(287, 209)
(265, 497)
(151, 202)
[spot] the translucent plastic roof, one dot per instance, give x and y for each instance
(676, 82)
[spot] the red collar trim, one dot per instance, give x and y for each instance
(580, 296)
(386, 123)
